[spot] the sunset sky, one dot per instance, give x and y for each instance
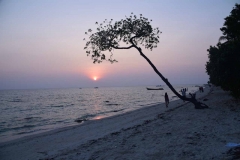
(41, 42)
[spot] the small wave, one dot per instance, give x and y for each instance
(112, 104)
(150, 104)
(79, 120)
(30, 118)
(58, 106)
(111, 111)
(28, 126)
(21, 133)
(25, 132)
(59, 121)
(138, 101)
(86, 117)
(4, 130)
(22, 127)
(16, 100)
(90, 116)
(118, 110)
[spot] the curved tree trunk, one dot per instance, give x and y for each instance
(198, 105)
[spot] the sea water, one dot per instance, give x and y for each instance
(26, 112)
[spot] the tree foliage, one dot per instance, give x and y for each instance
(231, 27)
(223, 66)
(128, 32)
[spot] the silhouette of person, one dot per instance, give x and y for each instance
(166, 99)
(183, 93)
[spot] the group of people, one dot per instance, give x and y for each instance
(183, 91)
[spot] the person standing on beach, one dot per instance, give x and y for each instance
(166, 99)
(183, 93)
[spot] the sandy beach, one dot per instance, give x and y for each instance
(155, 132)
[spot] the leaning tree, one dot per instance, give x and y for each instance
(131, 32)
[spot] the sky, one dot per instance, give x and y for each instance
(41, 42)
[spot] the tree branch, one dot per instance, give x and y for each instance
(131, 40)
(122, 47)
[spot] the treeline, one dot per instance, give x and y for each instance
(223, 66)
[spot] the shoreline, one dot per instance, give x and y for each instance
(64, 128)
(82, 120)
(70, 141)
(34, 115)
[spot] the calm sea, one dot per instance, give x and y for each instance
(25, 112)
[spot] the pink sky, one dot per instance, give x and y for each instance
(41, 42)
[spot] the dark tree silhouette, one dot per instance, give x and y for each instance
(231, 26)
(131, 32)
(223, 66)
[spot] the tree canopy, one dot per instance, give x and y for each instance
(231, 26)
(223, 66)
(126, 32)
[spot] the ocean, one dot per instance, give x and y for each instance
(27, 112)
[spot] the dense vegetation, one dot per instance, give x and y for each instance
(223, 66)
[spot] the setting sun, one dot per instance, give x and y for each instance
(94, 78)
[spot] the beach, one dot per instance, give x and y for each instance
(178, 132)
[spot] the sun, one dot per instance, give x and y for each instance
(95, 78)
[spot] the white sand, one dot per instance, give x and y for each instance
(178, 132)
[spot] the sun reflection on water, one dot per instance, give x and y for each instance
(98, 117)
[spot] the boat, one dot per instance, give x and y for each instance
(154, 88)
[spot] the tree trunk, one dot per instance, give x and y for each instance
(198, 105)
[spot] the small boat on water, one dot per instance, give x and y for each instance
(154, 88)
